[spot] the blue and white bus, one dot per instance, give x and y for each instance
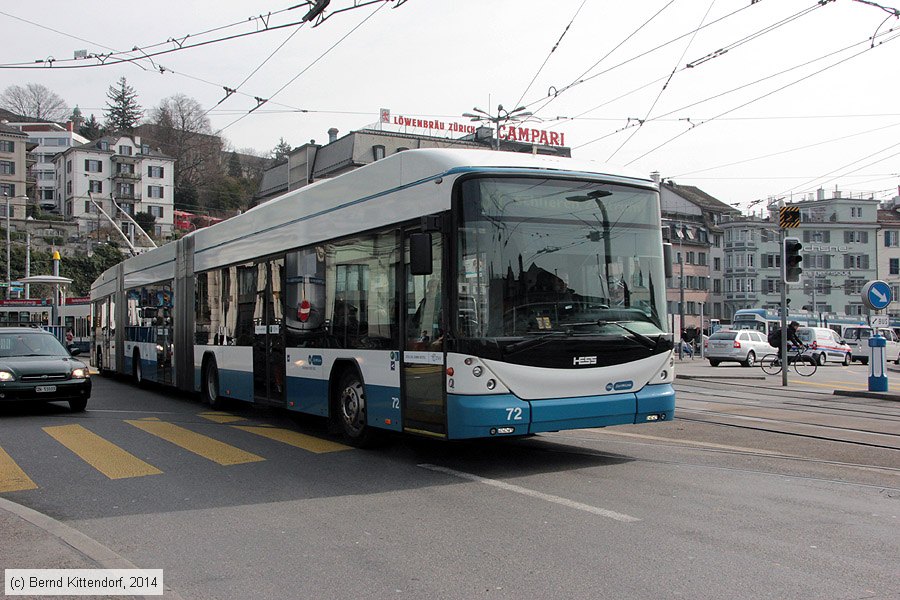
(445, 293)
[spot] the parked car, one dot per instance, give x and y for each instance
(744, 346)
(825, 345)
(34, 365)
(858, 340)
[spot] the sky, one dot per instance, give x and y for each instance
(781, 96)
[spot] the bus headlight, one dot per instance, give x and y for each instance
(6, 376)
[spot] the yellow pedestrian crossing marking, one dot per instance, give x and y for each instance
(293, 438)
(218, 417)
(834, 386)
(101, 454)
(199, 444)
(12, 478)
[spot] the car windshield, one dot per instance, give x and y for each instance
(30, 344)
(539, 256)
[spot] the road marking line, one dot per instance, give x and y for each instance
(221, 417)
(293, 438)
(201, 445)
(832, 386)
(101, 454)
(12, 477)
(535, 494)
(688, 442)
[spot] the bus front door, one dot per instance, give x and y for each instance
(424, 399)
(268, 334)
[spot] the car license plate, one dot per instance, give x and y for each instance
(45, 388)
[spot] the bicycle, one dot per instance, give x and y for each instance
(804, 366)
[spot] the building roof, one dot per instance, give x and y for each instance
(112, 139)
(888, 216)
(7, 115)
(697, 196)
(7, 130)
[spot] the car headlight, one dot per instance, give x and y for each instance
(81, 373)
(6, 376)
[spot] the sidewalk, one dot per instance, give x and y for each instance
(32, 540)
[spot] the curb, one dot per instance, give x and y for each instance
(89, 547)
(865, 394)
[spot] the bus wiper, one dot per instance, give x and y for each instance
(638, 337)
(532, 342)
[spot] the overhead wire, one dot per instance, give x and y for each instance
(549, 54)
(305, 69)
(665, 85)
(767, 94)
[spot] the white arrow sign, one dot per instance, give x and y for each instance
(881, 297)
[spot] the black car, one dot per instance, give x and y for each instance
(34, 365)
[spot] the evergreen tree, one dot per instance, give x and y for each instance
(281, 150)
(123, 112)
(234, 166)
(91, 129)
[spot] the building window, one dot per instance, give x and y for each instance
(853, 309)
(717, 264)
(690, 258)
(47, 194)
(69, 187)
(93, 166)
(891, 239)
(717, 286)
(104, 145)
(96, 187)
(155, 191)
(68, 166)
(856, 261)
(717, 240)
(7, 146)
(894, 266)
(125, 150)
(125, 168)
(88, 206)
(125, 190)
(156, 211)
(155, 172)
(856, 236)
(856, 212)
(378, 152)
(7, 167)
(7, 189)
(854, 286)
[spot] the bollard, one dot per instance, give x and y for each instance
(878, 381)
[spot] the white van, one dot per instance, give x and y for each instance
(825, 345)
(858, 340)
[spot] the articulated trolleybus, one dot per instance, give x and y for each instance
(446, 293)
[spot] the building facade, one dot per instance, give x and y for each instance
(48, 139)
(692, 223)
(13, 170)
(843, 248)
(121, 174)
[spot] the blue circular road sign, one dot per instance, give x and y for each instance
(876, 295)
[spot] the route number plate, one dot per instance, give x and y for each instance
(45, 388)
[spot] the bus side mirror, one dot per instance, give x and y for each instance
(667, 260)
(420, 254)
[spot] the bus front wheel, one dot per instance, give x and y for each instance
(351, 410)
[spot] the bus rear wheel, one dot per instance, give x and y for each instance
(351, 410)
(211, 385)
(137, 369)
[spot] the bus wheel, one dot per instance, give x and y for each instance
(211, 385)
(137, 370)
(351, 410)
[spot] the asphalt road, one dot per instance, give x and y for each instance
(727, 501)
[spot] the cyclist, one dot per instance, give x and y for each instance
(792, 338)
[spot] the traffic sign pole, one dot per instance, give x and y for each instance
(876, 295)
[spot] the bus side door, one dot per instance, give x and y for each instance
(424, 399)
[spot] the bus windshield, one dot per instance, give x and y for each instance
(538, 256)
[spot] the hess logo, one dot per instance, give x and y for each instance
(580, 361)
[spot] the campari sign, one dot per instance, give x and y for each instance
(513, 133)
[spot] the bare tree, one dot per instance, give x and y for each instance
(35, 101)
(180, 128)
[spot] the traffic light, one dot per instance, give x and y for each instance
(792, 260)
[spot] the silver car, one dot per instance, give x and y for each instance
(745, 346)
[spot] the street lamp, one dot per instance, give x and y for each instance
(8, 243)
(503, 116)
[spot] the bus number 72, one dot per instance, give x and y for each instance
(513, 414)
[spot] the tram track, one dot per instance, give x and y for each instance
(599, 453)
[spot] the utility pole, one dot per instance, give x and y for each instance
(681, 308)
